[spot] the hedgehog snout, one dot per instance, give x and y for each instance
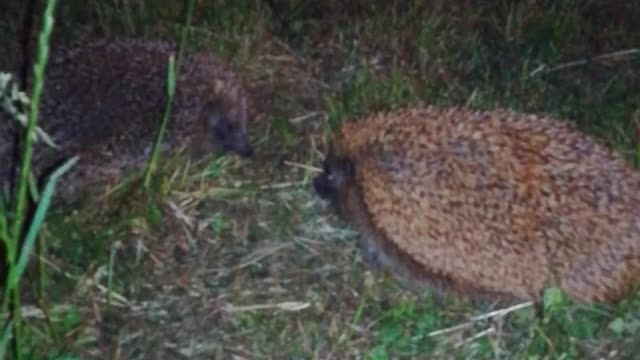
(322, 186)
(336, 175)
(231, 136)
(240, 145)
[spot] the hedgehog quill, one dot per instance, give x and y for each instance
(495, 204)
(104, 100)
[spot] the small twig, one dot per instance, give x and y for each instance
(121, 300)
(286, 306)
(303, 118)
(501, 312)
(450, 329)
(88, 281)
(616, 55)
(472, 97)
(180, 214)
(477, 336)
(256, 256)
(282, 185)
(303, 166)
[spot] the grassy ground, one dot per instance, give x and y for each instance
(257, 267)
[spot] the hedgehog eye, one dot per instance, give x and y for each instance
(224, 129)
(325, 167)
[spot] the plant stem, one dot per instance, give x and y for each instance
(12, 291)
(172, 77)
(25, 168)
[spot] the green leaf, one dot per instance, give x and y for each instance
(617, 326)
(4, 341)
(554, 298)
(39, 217)
(378, 353)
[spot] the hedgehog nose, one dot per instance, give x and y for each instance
(240, 147)
(320, 186)
(245, 151)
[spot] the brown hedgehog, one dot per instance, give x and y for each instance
(104, 100)
(494, 204)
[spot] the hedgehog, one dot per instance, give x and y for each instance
(494, 205)
(104, 100)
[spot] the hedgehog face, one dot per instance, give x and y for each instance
(222, 133)
(333, 182)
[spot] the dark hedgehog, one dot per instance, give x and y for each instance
(495, 204)
(104, 100)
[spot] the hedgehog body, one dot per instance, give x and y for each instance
(494, 203)
(104, 100)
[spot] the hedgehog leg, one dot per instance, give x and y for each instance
(373, 262)
(371, 257)
(538, 306)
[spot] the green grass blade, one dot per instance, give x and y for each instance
(4, 341)
(39, 217)
(171, 82)
(171, 85)
(4, 221)
(165, 119)
(43, 54)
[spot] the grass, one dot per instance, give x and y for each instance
(257, 267)
(18, 245)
